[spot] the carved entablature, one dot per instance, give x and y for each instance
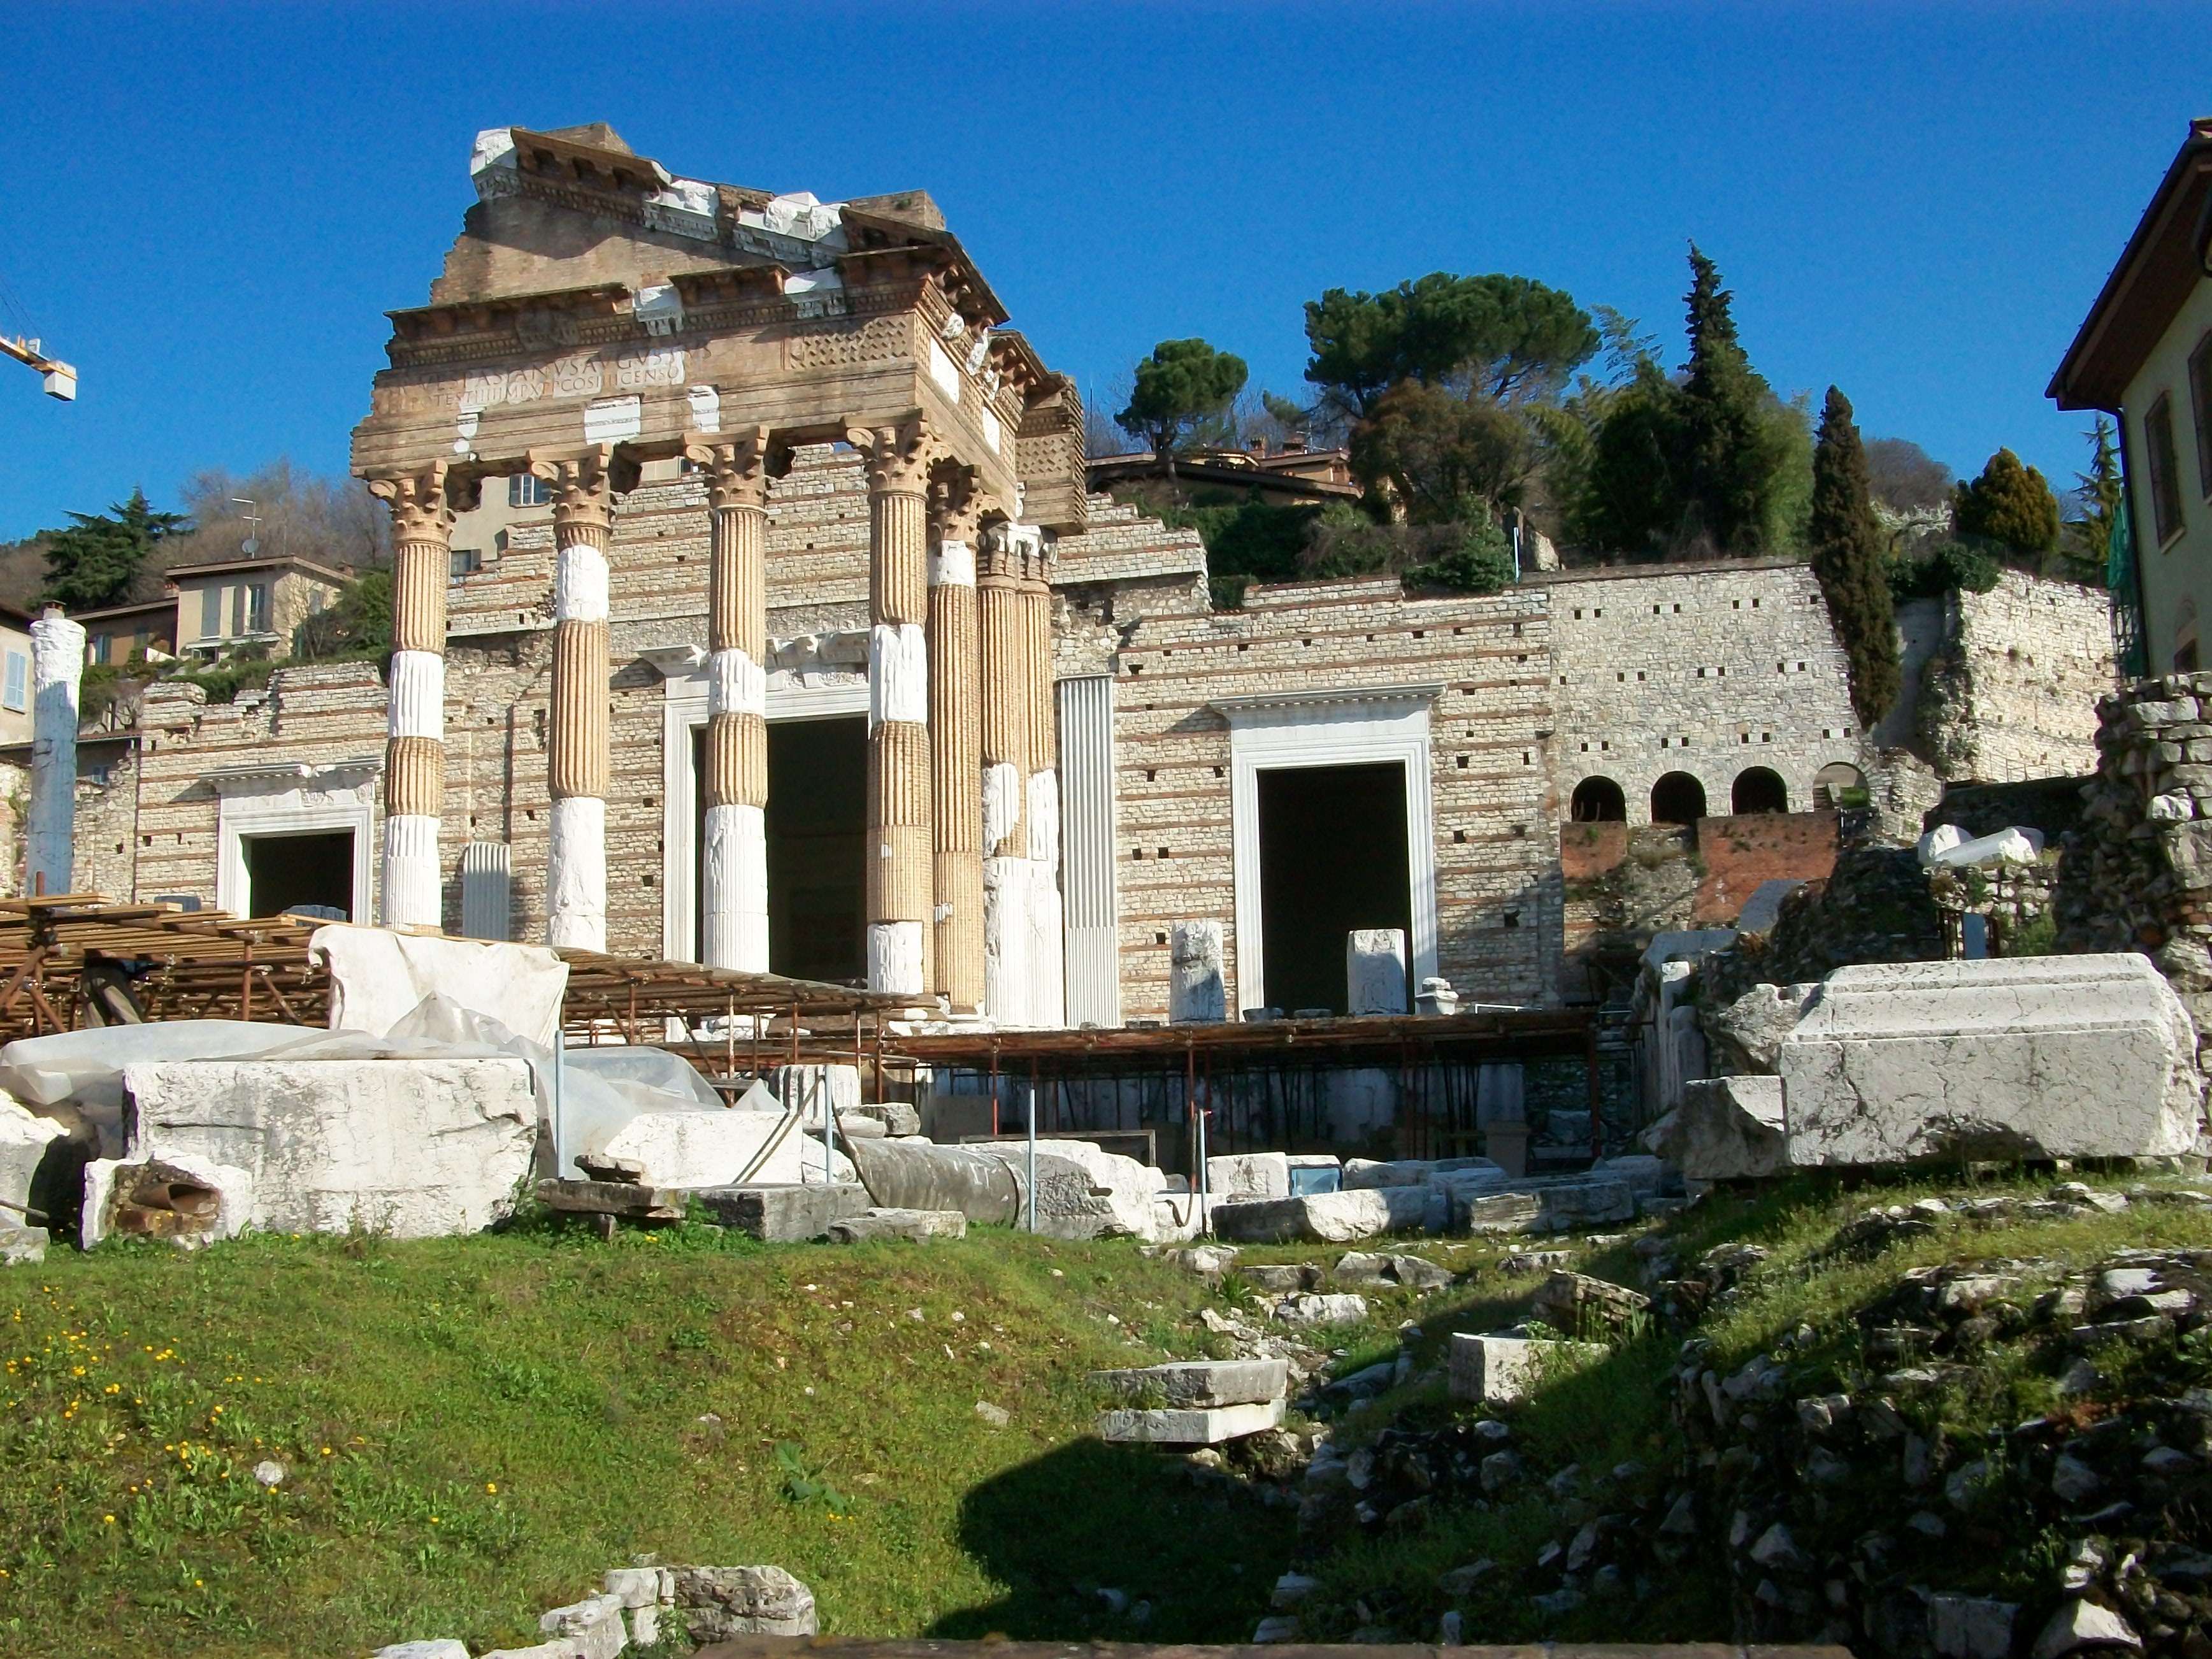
(785, 314)
(1048, 453)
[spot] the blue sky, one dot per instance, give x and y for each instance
(208, 208)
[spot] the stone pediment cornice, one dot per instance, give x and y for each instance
(1321, 703)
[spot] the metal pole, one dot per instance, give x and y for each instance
(1033, 1109)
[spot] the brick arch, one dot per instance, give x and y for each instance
(1598, 799)
(1758, 789)
(1678, 797)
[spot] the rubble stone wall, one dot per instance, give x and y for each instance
(2138, 875)
(1709, 669)
(2009, 688)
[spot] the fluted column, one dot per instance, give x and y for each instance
(584, 490)
(1002, 625)
(411, 881)
(899, 853)
(733, 865)
(1047, 996)
(956, 751)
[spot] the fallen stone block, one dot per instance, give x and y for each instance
(1497, 1370)
(716, 1148)
(1317, 1308)
(1281, 1277)
(1208, 1262)
(897, 1117)
(1727, 1128)
(408, 1148)
(1577, 1305)
(617, 1197)
(26, 1141)
(720, 1602)
(442, 1648)
(562, 1647)
(22, 1247)
(1247, 1176)
(1203, 1383)
(1647, 1176)
(593, 1625)
(1190, 1425)
(638, 1587)
(1325, 1217)
(1412, 1271)
(784, 1214)
(1554, 1207)
(1083, 1191)
(921, 1225)
(1366, 1172)
(813, 1091)
(2033, 1057)
(1746, 1035)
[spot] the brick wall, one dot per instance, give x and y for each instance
(1738, 852)
(1497, 874)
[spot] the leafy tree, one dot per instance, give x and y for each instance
(2009, 507)
(1183, 383)
(1443, 457)
(91, 563)
(1480, 561)
(1904, 477)
(1728, 463)
(355, 625)
(1291, 417)
(1505, 339)
(1847, 562)
(2099, 491)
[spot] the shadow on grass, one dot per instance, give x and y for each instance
(1087, 1518)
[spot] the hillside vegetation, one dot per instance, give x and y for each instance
(473, 1430)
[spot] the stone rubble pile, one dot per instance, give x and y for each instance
(646, 1606)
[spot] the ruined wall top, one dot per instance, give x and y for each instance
(594, 298)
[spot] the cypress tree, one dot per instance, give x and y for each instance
(1727, 467)
(1848, 562)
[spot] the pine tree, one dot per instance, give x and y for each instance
(2010, 506)
(1847, 557)
(1726, 467)
(92, 562)
(2100, 492)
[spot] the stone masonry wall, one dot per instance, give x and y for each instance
(1703, 669)
(2010, 689)
(1495, 847)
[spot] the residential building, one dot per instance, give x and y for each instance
(2144, 356)
(220, 607)
(115, 634)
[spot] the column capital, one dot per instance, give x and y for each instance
(585, 484)
(424, 504)
(897, 453)
(958, 506)
(738, 465)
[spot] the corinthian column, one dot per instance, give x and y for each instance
(733, 879)
(1048, 993)
(898, 842)
(1003, 626)
(584, 490)
(956, 753)
(409, 890)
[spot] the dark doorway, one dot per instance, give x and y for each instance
(286, 872)
(1678, 797)
(818, 809)
(1757, 789)
(1332, 858)
(1598, 800)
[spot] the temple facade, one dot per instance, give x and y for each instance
(750, 609)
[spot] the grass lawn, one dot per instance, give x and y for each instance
(476, 1428)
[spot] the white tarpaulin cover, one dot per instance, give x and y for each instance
(379, 977)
